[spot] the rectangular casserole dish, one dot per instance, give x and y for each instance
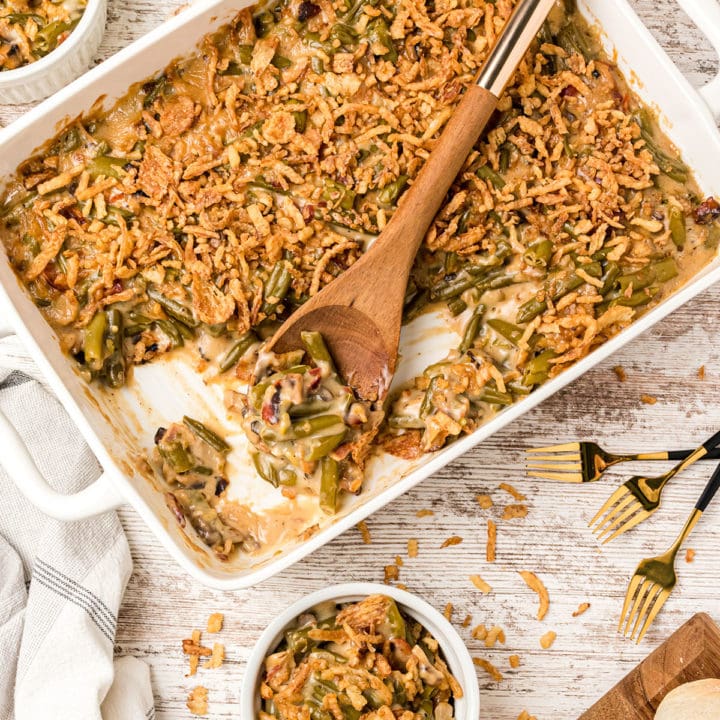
(119, 427)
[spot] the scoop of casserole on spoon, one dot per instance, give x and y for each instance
(359, 315)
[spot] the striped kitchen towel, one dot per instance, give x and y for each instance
(61, 584)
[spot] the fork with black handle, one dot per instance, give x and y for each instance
(655, 578)
(584, 462)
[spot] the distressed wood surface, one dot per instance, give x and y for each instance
(162, 604)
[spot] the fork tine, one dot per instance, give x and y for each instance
(608, 504)
(657, 606)
(615, 504)
(567, 447)
(629, 510)
(636, 605)
(629, 525)
(635, 582)
(563, 477)
(652, 593)
(574, 457)
(567, 466)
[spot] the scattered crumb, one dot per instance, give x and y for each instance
(525, 715)
(192, 646)
(701, 372)
(401, 586)
(547, 639)
(511, 512)
(194, 662)
(392, 572)
(197, 701)
(689, 555)
(480, 584)
(364, 532)
(412, 547)
(491, 541)
(448, 612)
(454, 540)
(514, 661)
(489, 668)
(510, 489)
(485, 501)
(480, 632)
(536, 584)
(424, 513)
(619, 370)
(215, 623)
(217, 657)
(582, 608)
(495, 635)
(648, 399)
(466, 622)
(398, 561)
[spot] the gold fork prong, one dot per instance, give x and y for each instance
(623, 500)
(554, 458)
(569, 467)
(653, 591)
(629, 595)
(615, 497)
(642, 591)
(657, 606)
(567, 447)
(627, 511)
(629, 525)
(561, 476)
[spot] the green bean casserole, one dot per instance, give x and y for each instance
(216, 197)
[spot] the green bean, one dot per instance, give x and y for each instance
(406, 422)
(114, 367)
(396, 622)
(94, 340)
(537, 369)
(539, 253)
(378, 34)
(510, 332)
(487, 173)
(173, 308)
(563, 284)
(176, 455)
(205, 434)
(416, 306)
(17, 18)
(338, 195)
(529, 310)
(172, 332)
(665, 270)
(457, 306)
(276, 287)
(504, 159)
(344, 34)
(612, 273)
(237, 350)
(472, 329)
(69, 141)
(673, 168)
(712, 239)
(678, 232)
(468, 277)
(300, 117)
(317, 65)
(493, 396)
(323, 446)
(309, 408)
(391, 192)
(637, 299)
(428, 402)
(106, 165)
(328, 485)
(281, 62)
(32, 244)
(265, 468)
(263, 22)
(317, 349)
(571, 39)
(47, 39)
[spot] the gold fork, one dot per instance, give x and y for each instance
(583, 462)
(639, 497)
(655, 578)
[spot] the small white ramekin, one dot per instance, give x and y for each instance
(57, 69)
(453, 648)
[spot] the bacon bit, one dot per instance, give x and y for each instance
(707, 212)
(536, 584)
(480, 584)
(485, 501)
(689, 555)
(514, 661)
(466, 622)
(392, 572)
(547, 639)
(197, 702)
(448, 612)
(489, 668)
(453, 540)
(619, 370)
(648, 399)
(582, 608)
(424, 513)
(491, 541)
(510, 489)
(512, 512)
(412, 548)
(701, 372)
(364, 532)
(215, 623)
(216, 660)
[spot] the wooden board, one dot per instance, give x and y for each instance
(691, 653)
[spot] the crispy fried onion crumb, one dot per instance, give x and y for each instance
(215, 623)
(689, 555)
(412, 547)
(512, 512)
(619, 371)
(453, 540)
(514, 661)
(362, 526)
(424, 513)
(548, 639)
(582, 608)
(197, 702)
(536, 584)
(491, 541)
(648, 399)
(510, 489)
(485, 501)
(480, 584)
(489, 668)
(525, 715)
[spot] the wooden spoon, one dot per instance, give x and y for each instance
(360, 313)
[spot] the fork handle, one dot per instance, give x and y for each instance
(709, 492)
(682, 454)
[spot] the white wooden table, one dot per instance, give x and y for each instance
(162, 604)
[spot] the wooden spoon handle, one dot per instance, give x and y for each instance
(407, 227)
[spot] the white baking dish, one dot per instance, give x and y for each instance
(119, 429)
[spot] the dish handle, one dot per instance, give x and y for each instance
(706, 15)
(15, 458)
